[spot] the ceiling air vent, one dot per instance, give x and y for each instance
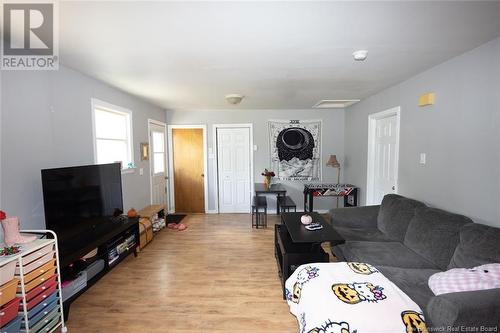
(335, 103)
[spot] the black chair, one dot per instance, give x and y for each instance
(286, 204)
(259, 212)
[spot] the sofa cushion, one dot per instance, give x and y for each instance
(357, 217)
(434, 234)
(362, 234)
(479, 244)
(413, 282)
(383, 253)
(394, 215)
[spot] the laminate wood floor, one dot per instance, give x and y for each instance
(219, 275)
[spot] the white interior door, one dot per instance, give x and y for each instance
(157, 135)
(233, 158)
(383, 157)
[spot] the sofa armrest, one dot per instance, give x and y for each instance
(355, 217)
(479, 308)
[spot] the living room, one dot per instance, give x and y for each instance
(380, 122)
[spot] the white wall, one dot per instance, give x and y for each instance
(333, 143)
(460, 134)
(46, 122)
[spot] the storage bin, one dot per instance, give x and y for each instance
(8, 291)
(52, 317)
(39, 316)
(41, 297)
(42, 305)
(39, 271)
(41, 288)
(9, 311)
(74, 286)
(37, 263)
(35, 282)
(53, 323)
(94, 268)
(13, 327)
(37, 254)
(7, 272)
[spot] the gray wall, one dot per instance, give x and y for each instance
(333, 142)
(46, 122)
(460, 134)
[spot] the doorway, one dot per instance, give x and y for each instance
(187, 161)
(234, 167)
(158, 170)
(383, 155)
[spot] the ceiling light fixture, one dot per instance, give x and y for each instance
(234, 98)
(360, 55)
(335, 103)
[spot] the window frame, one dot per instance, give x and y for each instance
(97, 104)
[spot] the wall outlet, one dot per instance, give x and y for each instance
(423, 158)
(141, 171)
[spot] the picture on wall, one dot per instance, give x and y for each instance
(295, 148)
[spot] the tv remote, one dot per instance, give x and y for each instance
(312, 228)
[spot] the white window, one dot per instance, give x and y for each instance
(112, 134)
(158, 152)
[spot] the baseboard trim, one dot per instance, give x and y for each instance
(211, 212)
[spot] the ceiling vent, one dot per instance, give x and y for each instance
(335, 103)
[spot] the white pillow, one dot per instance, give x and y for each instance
(465, 279)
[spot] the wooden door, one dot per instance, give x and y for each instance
(233, 160)
(187, 152)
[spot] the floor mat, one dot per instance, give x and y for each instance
(175, 218)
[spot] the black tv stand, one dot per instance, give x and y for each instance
(105, 243)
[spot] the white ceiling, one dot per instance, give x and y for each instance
(280, 55)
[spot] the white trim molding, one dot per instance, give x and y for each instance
(216, 163)
(372, 122)
(102, 105)
(158, 123)
(171, 194)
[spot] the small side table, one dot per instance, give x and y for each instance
(347, 191)
(276, 189)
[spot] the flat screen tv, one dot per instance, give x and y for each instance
(81, 204)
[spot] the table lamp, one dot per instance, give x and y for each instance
(332, 162)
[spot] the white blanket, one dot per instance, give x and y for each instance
(350, 297)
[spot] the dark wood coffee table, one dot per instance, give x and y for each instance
(294, 245)
(300, 234)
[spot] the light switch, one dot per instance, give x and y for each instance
(423, 158)
(254, 147)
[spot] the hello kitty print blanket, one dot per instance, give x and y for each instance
(350, 297)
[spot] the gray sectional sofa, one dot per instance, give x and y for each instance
(409, 241)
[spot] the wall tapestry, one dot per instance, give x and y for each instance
(295, 148)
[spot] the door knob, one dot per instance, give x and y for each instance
(203, 175)
(393, 187)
